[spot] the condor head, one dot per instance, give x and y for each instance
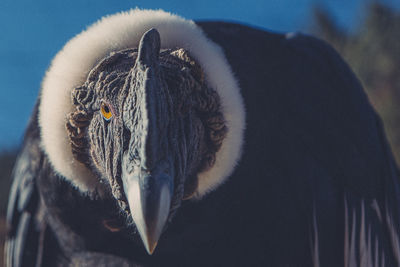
(146, 124)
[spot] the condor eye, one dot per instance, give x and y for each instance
(106, 111)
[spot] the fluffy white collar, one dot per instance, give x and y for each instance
(72, 64)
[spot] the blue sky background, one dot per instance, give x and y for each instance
(31, 33)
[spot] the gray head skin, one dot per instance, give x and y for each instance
(165, 128)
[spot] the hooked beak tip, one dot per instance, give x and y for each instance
(149, 199)
(149, 235)
(150, 245)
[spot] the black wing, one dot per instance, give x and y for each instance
(370, 177)
(313, 135)
(25, 227)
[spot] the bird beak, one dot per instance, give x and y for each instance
(148, 184)
(149, 195)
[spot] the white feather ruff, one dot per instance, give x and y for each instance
(72, 64)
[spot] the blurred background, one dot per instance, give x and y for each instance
(365, 32)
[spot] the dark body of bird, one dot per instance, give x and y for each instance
(316, 184)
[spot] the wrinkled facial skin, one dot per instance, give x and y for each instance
(166, 127)
(125, 132)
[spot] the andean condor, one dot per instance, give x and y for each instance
(159, 141)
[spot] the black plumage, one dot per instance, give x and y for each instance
(316, 185)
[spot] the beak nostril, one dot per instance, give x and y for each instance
(135, 154)
(126, 137)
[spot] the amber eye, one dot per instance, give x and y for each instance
(106, 111)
